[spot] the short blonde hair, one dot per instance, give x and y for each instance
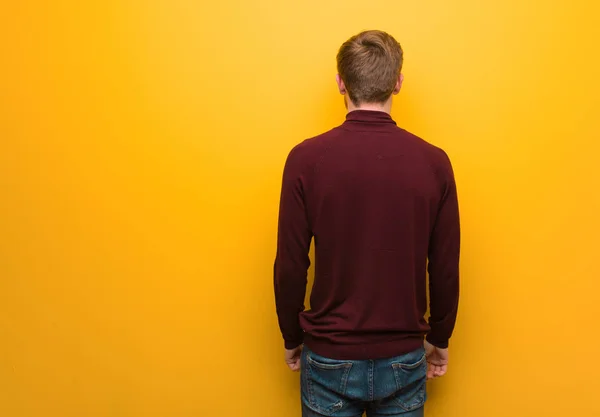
(369, 64)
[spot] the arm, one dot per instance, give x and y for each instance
(292, 261)
(444, 252)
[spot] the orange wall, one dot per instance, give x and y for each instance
(141, 148)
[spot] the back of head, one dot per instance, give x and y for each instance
(369, 64)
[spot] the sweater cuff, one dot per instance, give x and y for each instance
(292, 344)
(438, 343)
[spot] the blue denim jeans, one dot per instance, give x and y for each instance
(344, 388)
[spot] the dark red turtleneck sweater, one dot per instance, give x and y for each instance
(381, 205)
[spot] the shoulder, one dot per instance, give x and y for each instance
(310, 150)
(435, 156)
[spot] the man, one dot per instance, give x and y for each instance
(382, 207)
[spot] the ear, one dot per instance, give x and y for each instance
(398, 84)
(341, 85)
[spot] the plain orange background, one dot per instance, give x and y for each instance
(141, 149)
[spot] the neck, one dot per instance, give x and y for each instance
(383, 107)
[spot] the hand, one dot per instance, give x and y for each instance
(292, 358)
(437, 361)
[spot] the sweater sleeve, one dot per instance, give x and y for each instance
(292, 260)
(444, 253)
